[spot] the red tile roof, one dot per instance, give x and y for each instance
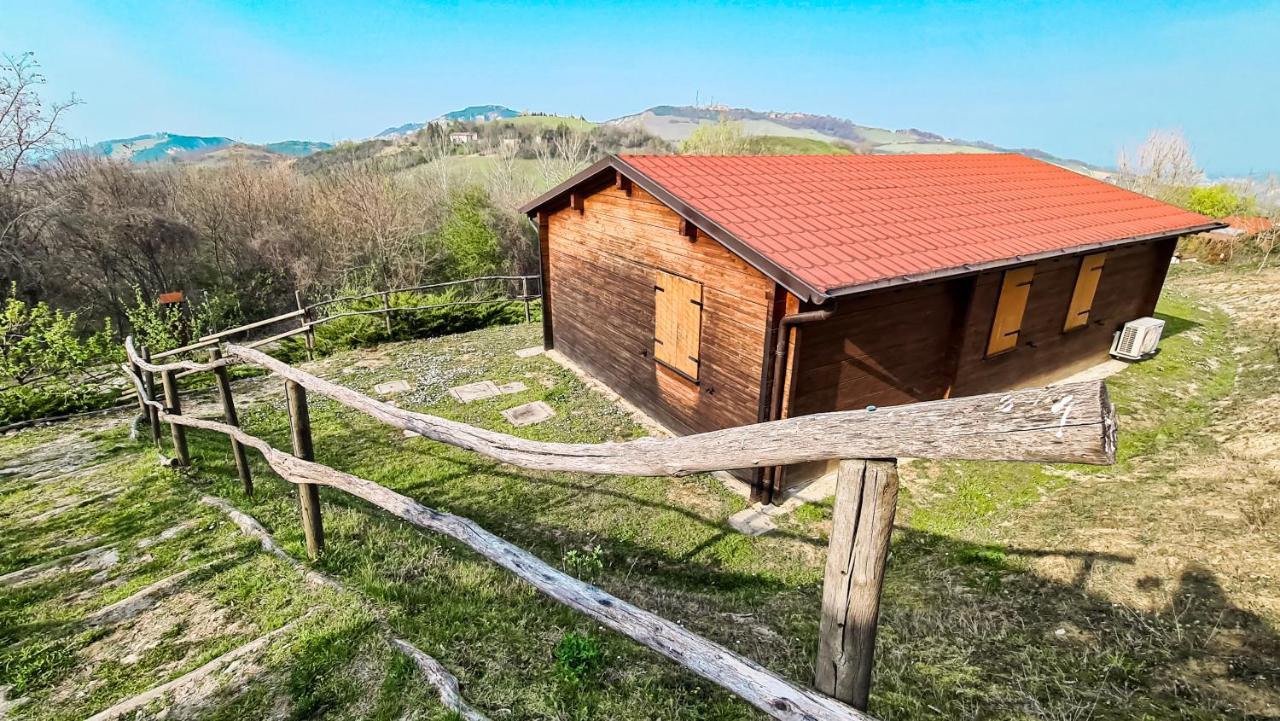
(1249, 224)
(844, 222)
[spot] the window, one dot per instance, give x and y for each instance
(677, 323)
(1009, 309)
(1086, 287)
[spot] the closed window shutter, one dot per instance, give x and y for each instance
(1014, 292)
(677, 332)
(1086, 287)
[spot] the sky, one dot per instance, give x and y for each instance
(1078, 79)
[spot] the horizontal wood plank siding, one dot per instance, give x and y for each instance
(901, 346)
(602, 265)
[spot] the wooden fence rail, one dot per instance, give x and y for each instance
(1068, 423)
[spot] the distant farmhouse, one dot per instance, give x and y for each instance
(721, 291)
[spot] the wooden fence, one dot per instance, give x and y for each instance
(514, 288)
(1068, 423)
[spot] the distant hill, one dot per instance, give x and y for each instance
(171, 147)
(471, 113)
(675, 123)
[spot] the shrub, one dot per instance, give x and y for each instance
(360, 331)
(1218, 201)
(47, 367)
(578, 657)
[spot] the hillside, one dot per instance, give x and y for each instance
(676, 123)
(171, 147)
(773, 132)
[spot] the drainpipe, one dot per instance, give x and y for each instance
(773, 474)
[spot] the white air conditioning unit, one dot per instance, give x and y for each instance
(1137, 339)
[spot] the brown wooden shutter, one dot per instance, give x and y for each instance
(677, 331)
(1086, 287)
(1010, 308)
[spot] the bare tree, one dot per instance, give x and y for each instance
(28, 126)
(1162, 167)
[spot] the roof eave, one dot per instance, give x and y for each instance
(971, 268)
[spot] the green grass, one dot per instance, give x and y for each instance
(967, 629)
(547, 122)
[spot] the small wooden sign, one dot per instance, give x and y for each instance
(170, 298)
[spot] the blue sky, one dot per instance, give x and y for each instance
(1077, 79)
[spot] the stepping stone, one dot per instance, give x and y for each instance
(752, 521)
(529, 413)
(529, 352)
(512, 387)
(391, 388)
(475, 391)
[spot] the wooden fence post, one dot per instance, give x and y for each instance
(173, 406)
(862, 521)
(524, 293)
(309, 335)
(386, 311)
(229, 414)
(308, 493)
(149, 384)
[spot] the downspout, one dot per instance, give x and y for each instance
(772, 474)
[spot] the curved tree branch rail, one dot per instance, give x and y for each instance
(1067, 423)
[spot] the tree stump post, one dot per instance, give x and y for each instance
(308, 333)
(149, 384)
(862, 522)
(173, 406)
(229, 414)
(308, 493)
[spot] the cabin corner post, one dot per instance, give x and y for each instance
(543, 221)
(308, 493)
(862, 523)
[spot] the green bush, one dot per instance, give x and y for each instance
(48, 367)
(1219, 201)
(578, 657)
(361, 331)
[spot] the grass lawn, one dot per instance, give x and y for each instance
(975, 624)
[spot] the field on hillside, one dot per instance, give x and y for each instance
(1143, 590)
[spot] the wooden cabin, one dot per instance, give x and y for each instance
(714, 292)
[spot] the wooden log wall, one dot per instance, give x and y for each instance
(929, 341)
(601, 262)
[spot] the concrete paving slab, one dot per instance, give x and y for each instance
(752, 522)
(474, 391)
(529, 413)
(391, 388)
(529, 352)
(512, 387)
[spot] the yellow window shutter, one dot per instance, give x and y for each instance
(1086, 287)
(1014, 292)
(677, 333)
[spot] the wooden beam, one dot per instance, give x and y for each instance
(1070, 423)
(308, 494)
(229, 415)
(173, 407)
(577, 201)
(544, 281)
(622, 182)
(862, 522)
(688, 230)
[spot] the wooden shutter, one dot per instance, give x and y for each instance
(1086, 288)
(677, 329)
(1010, 308)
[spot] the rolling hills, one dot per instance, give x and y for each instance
(776, 132)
